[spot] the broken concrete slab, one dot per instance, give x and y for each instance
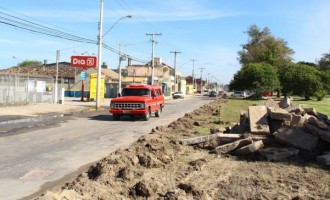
(258, 120)
(232, 146)
(324, 159)
(315, 121)
(296, 108)
(278, 154)
(297, 120)
(296, 137)
(311, 111)
(284, 103)
(274, 125)
(310, 128)
(270, 103)
(197, 140)
(279, 114)
(251, 148)
(324, 135)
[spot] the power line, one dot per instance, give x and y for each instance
(24, 24)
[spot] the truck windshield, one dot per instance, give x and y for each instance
(136, 92)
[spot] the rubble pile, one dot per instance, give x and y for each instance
(276, 131)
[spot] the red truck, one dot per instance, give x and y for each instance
(138, 100)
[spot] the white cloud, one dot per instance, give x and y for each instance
(7, 41)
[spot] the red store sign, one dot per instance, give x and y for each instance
(83, 61)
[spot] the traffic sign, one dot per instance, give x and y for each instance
(83, 61)
(83, 76)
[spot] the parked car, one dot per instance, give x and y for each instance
(239, 94)
(206, 92)
(178, 95)
(213, 94)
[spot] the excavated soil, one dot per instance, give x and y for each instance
(159, 167)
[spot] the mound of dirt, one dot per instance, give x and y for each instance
(158, 166)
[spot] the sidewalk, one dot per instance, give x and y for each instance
(70, 104)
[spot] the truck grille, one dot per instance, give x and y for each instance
(128, 106)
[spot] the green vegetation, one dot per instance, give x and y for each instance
(30, 63)
(230, 111)
(320, 106)
(266, 59)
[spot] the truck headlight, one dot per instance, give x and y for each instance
(143, 105)
(112, 105)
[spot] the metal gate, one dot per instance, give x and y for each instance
(23, 89)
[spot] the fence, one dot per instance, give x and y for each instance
(22, 89)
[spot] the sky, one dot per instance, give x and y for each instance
(208, 31)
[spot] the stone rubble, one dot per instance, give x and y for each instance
(276, 131)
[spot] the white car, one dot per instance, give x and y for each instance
(178, 95)
(239, 94)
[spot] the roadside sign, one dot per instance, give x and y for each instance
(83, 61)
(83, 76)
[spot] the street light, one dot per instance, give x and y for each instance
(128, 16)
(16, 63)
(100, 45)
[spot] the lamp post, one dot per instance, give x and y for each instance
(100, 45)
(16, 63)
(128, 16)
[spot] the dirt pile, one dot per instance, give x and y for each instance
(162, 166)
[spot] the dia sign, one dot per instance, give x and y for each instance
(83, 61)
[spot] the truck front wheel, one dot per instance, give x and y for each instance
(159, 111)
(146, 117)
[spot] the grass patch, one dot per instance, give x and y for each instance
(321, 106)
(230, 111)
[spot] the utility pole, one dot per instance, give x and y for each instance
(175, 78)
(152, 55)
(193, 73)
(100, 45)
(56, 77)
(119, 70)
(202, 68)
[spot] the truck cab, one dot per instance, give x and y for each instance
(138, 100)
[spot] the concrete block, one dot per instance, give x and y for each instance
(271, 103)
(274, 125)
(297, 109)
(258, 119)
(318, 123)
(232, 146)
(296, 137)
(324, 135)
(311, 111)
(310, 128)
(251, 148)
(284, 103)
(324, 159)
(297, 120)
(278, 154)
(279, 114)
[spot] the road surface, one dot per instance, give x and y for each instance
(32, 160)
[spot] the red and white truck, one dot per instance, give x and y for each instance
(138, 100)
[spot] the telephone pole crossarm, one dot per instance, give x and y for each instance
(152, 55)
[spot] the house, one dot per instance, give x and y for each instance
(163, 75)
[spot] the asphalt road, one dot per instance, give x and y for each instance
(33, 160)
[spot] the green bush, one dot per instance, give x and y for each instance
(320, 94)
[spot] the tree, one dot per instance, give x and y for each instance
(324, 62)
(265, 48)
(302, 80)
(30, 63)
(256, 77)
